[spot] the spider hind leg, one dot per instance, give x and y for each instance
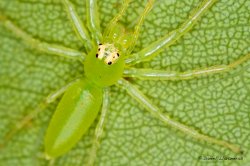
(165, 118)
(99, 129)
(21, 124)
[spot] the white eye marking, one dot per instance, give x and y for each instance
(111, 58)
(107, 52)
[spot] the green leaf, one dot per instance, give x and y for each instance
(217, 105)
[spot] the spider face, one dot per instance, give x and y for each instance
(104, 66)
(108, 53)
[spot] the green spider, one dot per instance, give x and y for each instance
(108, 61)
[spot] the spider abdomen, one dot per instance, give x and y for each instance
(75, 113)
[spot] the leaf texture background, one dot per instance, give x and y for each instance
(217, 105)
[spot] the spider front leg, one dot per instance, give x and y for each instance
(114, 21)
(93, 21)
(142, 17)
(157, 46)
(128, 40)
(49, 99)
(80, 29)
(156, 112)
(39, 45)
(99, 128)
(152, 74)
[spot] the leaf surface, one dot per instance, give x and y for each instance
(217, 105)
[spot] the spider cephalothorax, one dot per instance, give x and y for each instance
(99, 67)
(105, 64)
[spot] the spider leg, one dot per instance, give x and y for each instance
(152, 74)
(93, 21)
(99, 129)
(41, 46)
(80, 29)
(167, 40)
(156, 112)
(49, 99)
(114, 21)
(138, 26)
